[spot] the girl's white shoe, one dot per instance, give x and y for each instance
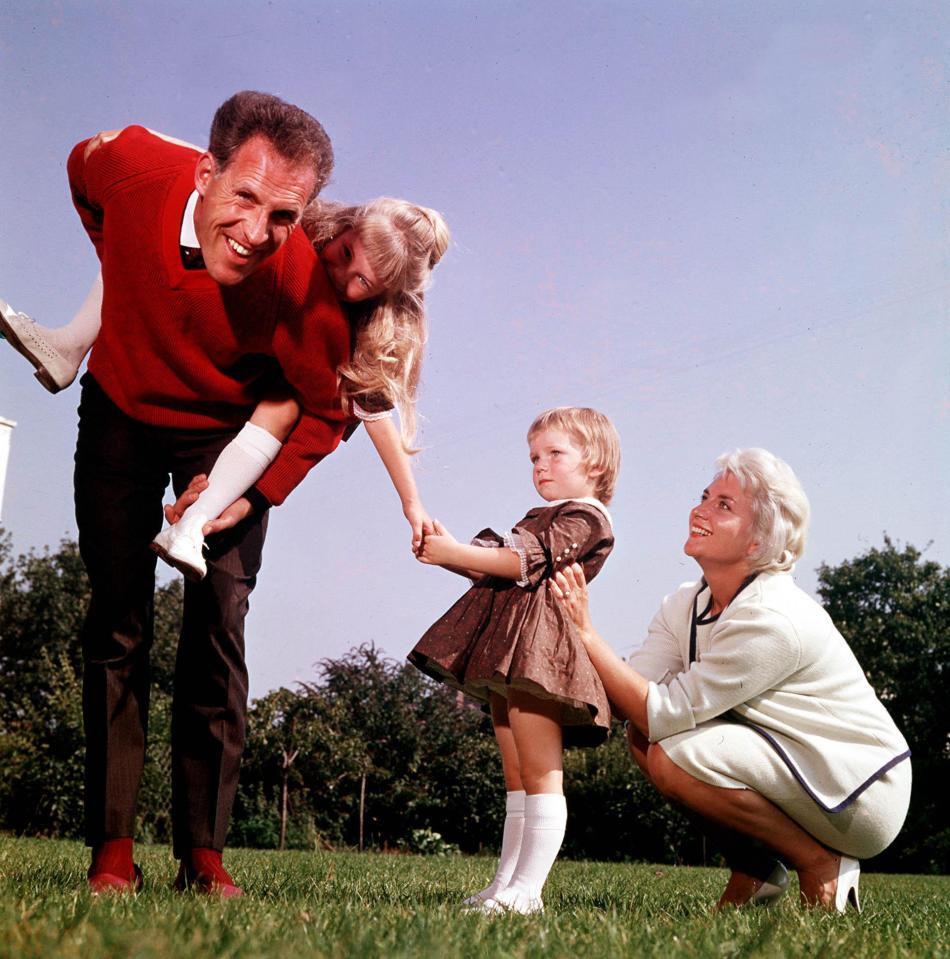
(181, 546)
(25, 335)
(849, 875)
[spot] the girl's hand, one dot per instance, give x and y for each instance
(436, 548)
(421, 524)
(570, 587)
(101, 138)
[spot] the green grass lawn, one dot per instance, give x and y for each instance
(347, 904)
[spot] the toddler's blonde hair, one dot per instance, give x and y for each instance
(595, 435)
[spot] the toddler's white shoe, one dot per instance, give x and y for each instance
(25, 335)
(477, 898)
(181, 546)
(508, 901)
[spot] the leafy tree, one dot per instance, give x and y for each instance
(379, 752)
(43, 599)
(402, 751)
(893, 607)
(281, 727)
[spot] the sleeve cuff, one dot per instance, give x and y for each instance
(259, 502)
(366, 416)
(514, 542)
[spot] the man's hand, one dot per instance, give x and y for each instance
(198, 484)
(233, 514)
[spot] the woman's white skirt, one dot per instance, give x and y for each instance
(734, 756)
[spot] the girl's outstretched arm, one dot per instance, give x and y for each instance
(441, 548)
(388, 445)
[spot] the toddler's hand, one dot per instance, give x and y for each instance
(436, 547)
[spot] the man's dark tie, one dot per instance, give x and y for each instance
(191, 258)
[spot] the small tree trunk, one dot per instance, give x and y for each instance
(283, 809)
(362, 806)
(285, 795)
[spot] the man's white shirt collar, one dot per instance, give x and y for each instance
(188, 235)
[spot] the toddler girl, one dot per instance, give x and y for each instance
(378, 258)
(507, 641)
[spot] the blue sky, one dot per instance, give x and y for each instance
(722, 224)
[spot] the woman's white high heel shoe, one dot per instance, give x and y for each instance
(849, 875)
(772, 888)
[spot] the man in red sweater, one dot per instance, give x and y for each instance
(211, 296)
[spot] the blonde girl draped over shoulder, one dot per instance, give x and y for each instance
(402, 242)
(378, 258)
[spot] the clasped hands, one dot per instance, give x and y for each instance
(240, 509)
(436, 546)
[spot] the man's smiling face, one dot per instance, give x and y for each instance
(249, 209)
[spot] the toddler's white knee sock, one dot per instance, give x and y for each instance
(510, 847)
(545, 819)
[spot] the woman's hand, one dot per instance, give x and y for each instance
(570, 587)
(437, 546)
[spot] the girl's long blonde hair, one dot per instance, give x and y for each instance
(402, 242)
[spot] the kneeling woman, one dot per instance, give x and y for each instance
(747, 707)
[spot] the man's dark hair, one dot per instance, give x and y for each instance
(294, 134)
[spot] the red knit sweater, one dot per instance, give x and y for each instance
(178, 350)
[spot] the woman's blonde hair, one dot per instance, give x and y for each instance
(402, 242)
(780, 509)
(595, 435)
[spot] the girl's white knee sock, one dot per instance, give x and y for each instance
(74, 340)
(238, 467)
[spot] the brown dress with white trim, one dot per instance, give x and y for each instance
(503, 634)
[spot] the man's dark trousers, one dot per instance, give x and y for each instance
(122, 470)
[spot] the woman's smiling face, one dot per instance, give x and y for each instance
(721, 525)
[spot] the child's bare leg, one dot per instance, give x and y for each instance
(514, 804)
(536, 729)
(239, 466)
(58, 353)
(506, 743)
